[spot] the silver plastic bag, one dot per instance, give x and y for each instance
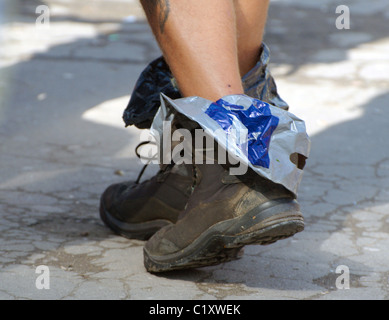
(271, 141)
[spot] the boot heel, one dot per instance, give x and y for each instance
(265, 226)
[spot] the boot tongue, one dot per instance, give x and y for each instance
(210, 159)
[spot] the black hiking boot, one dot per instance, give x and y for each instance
(138, 210)
(224, 213)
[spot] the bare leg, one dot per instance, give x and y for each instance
(251, 16)
(199, 40)
(209, 45)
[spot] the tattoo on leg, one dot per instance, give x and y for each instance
(163, 14)
(164, 9)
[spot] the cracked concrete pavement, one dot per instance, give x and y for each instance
(63, 89)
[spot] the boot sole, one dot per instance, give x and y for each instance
(138, 231)
(266, 224)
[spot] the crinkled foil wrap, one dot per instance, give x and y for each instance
(271, 135)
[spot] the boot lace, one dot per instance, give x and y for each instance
(161, 172)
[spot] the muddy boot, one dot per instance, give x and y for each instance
(138, 210)
(223, 214)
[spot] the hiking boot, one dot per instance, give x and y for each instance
(137, 210)
(223, 214)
